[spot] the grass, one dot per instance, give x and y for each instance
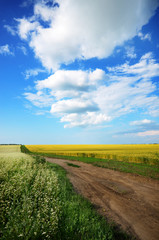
(143, 169)
(73, 165)
(38, 202)
(135, 168)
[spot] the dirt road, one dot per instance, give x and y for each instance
(129, 200)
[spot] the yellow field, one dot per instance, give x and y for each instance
(146, 153)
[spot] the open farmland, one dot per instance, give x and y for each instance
(38, 202)
(138, 153)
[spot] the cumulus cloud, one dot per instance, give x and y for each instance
(44, 12)
(66, 30)
(73, 106)
(5, 50)
(72, 80)
(26, 27)
(83, 29)
(91, 97)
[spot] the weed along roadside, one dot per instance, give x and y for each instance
(38, 202)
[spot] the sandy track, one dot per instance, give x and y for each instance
(129, 200)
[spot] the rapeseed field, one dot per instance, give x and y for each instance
(137, 153)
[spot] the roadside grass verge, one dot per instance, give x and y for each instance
(143, 169)
(135, 168)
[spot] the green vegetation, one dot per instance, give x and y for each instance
(38, 202)
(143, 169)
(29, 199)
(73, 165)
(135, 168)
(24, 149)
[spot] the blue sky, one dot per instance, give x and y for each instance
(79, 72)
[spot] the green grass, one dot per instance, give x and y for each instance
(143, 169)
(24, 149)
(135, 168)
(73, 165)
(38, 202)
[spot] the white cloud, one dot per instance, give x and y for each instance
(82, 98)
(26, 27)
(97, 75)
(146, 68)
(71, 80)
(148, 133)
(141, 122)
(39, 99)
(130, 52)
(33, 72)
(83, 29)
(23, 49)
(5, 50)
(64, 80)
(44, 12)
(10, 29)
(84, 120)
(74, 106)
(147, 36)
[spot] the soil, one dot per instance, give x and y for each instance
(129, 200)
